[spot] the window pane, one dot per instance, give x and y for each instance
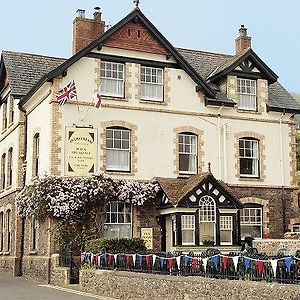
(247, 94)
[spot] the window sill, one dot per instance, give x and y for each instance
(10, 124)
(33, 252)
(153, 102)
(112, 98)
(7, 253)
(241, 178)
(110, 172)
(248, 111)
(4, 130)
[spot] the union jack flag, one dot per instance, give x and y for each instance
(67, 93)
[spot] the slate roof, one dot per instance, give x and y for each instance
(27, 72)
(279, 97)
(24, 70)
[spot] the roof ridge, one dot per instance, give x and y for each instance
(33, 54)
(206, 52)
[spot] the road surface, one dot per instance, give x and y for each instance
(19, 288)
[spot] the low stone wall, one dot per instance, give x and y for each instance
(37, 267)
(59, 275)
(271, 246)
(140, 286)
(9, 264)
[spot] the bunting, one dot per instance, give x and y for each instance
(204, 260)
(274, 263)
(178, 262)
(288, 263)
(260, 267)
(235, 260)
(216, 260)
(247, 263)
(225, 260)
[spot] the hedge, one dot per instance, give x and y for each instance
(116, 245)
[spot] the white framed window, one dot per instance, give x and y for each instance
(117, 149)
(226, 230)
(118, 220)
(249, 157)
(251, 222)
(188, 229)
(207, 218)
(187, 153)
(246, 89)
(112, 79)
(152, 84)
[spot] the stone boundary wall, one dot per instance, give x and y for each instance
(59, 275)
(141, 286)
(271, 246)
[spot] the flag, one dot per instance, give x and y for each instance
(67, 93)
(97, 99)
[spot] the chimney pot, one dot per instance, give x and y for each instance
(97, 13)
(80, 13)
(243, 41)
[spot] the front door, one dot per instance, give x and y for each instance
(226, 230)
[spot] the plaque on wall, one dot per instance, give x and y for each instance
(147, 236)
(80, 151)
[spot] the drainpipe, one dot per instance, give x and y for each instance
(282, 172)
(225, 150)
(22, 236)
(219, 129)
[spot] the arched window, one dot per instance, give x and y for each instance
(3, 164)
(11, 110)
(249, 157)
(8, 229)
(36, 155)
(4, 115)
(207, 218)
(187, 143)
(1, 230)
(117, 149)
(9, 167)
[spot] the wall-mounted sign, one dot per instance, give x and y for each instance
(147, 236)
(81, 151)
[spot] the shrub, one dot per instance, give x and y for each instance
(115, 245)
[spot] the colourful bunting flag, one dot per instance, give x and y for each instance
(235, 260)
(225, 260)
(274, 263)
(260, 267)
(204, 260)
(288, 263)
(216, 260)
(247, 263)
(178, 262)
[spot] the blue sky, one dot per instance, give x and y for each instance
(45, 27)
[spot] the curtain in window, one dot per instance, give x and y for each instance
(117, 160)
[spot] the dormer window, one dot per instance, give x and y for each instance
(246, 89)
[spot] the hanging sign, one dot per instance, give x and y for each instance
(147, 236)
(81, 151)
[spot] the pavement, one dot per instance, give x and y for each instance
(20, 288)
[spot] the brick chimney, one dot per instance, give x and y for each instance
(243, 41)
(86, 30)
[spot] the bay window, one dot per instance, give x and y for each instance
(188, 229)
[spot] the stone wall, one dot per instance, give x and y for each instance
(37, 267)
(59, 275)
(136, 286)
(271, 246)
(278, 221)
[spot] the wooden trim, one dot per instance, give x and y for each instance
(126, 59)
